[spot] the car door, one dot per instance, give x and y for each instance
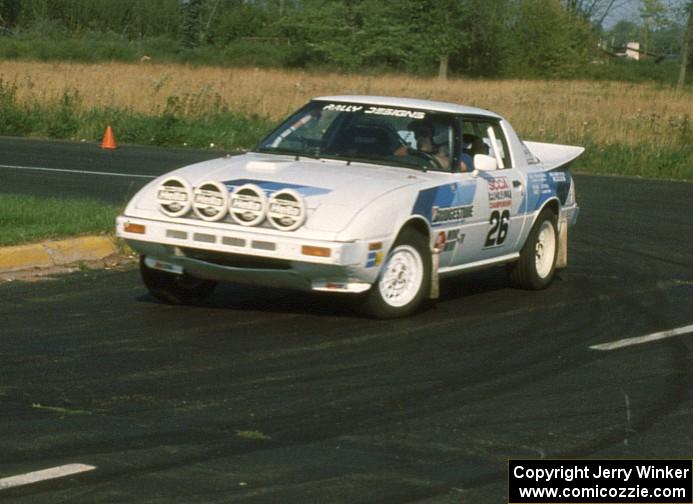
(497, 218)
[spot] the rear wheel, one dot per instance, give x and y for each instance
(404, 278)
(537, 262)
(173, 288)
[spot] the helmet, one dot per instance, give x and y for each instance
(437, 131)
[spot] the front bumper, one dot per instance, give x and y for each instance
(239, 255)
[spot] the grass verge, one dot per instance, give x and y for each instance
(25, 219)
(647, 161)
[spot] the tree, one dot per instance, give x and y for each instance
(442, 30)
(9, 12)
(547, 40)
(191, 22)
(489, 45)
(623, 32)
(654, 16)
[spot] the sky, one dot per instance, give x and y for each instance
(630, 11)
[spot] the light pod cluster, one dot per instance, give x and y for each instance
(247, 205)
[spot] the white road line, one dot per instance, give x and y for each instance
(46, 474)
(613, 345)
(81, 172)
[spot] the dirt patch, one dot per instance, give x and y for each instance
(112, 262)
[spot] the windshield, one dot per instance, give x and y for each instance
(366, 133)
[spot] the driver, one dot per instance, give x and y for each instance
(434, 145)
(433, 139)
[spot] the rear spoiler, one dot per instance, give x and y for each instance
(554, 155)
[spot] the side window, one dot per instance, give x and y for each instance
(485, 137)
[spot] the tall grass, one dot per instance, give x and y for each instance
(199, 119)
(636, 129)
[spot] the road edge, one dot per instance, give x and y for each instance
(54, 253)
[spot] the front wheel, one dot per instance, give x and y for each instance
(173, 288)
(537, 264)
(405, 275)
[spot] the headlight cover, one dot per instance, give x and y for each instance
(248, 205)
(174, 196)
(287, 210)
(211, 201)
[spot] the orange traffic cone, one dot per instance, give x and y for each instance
(108, 141)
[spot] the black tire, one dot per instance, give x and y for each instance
(537, 264)
(175, 289)
(404, 279)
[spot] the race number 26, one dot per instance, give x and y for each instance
(499, 228)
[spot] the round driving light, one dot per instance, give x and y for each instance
(174, 196)
(248, 205)
(210, 201)
(286, 210)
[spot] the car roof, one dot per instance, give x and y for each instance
(411, 103)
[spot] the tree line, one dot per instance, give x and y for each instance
(486, 38)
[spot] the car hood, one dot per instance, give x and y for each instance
(333, 191)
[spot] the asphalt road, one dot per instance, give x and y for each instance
(273, 396)
(71, 169)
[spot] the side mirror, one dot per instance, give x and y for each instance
(483, 162)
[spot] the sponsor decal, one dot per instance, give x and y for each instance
(412, 114)
(446, 203)
(450, 246)
(540, 183)
(440, 241)
(557, 176)
(375, 258)
(383, 111)
(375, 254)
(449, 214)
(339, 107)
(544, 185)
(172, 194)
(499, 193)
(448, 240)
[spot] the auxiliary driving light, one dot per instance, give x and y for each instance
(286, 211)
(210, 201)
(248, 205)
(174, 196)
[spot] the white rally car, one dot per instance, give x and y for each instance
(366, 195)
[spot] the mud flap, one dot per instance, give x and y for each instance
(435, 261)
(562, 259)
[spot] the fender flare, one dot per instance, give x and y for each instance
(555, 206)
(424, 227)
